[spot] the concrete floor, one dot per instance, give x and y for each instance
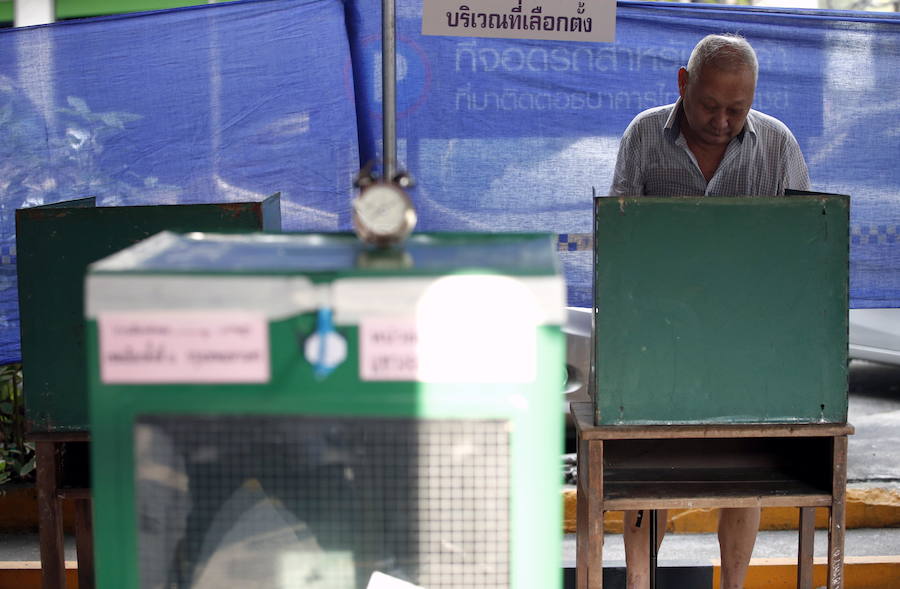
(676, 550)
(701, 549)
(24, 547)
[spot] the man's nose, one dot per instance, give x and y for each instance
(720, 121)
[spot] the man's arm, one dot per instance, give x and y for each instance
(796, 174)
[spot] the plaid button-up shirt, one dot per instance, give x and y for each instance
(654, 159)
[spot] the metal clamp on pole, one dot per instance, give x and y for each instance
(383, 214)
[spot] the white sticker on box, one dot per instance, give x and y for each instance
(388, 349)
(466, 328)
(202, 347)
(379, 580)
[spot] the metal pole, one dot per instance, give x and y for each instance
(653, 548)
(389, 88)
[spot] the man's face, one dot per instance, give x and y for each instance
(715, 104)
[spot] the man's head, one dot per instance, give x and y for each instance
(717, 88)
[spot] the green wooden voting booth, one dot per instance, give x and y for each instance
(721, 310)
(719, 364)
(55, 244)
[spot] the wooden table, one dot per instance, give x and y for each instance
(710, 466)
(53, 485)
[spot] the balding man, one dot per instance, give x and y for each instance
(710, 142)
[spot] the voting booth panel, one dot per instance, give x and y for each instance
(55, 245)
(302, 410)
(721, 310)
(719, 365)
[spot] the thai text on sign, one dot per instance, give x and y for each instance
(183, 347)
(559, 20)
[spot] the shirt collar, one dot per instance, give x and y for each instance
(672, 130)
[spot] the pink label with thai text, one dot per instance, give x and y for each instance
(183, 347)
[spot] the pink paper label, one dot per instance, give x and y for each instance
(388, 349)
(183, 347)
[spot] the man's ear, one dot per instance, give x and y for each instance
(682, 81)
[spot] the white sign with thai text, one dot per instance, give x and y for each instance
(554, 20)
(446, 348)
(199, 347)
(388, 349)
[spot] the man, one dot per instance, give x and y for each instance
(710, 142)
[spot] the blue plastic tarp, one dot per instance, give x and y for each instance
(237, 101)
(218, 103)
(507, 135)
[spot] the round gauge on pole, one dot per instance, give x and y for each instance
(383, 214)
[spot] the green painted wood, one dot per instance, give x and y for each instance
(325, 257)
(65, 9)
(83, 8)
(55, 244)
(721, 309)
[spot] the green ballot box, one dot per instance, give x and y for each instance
(720, 310)
(303, 411)
(55, 244)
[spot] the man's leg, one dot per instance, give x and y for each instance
(737, 534)
(637, 546)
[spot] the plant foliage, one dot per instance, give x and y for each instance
(16, 455)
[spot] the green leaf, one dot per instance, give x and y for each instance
(27, 467)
